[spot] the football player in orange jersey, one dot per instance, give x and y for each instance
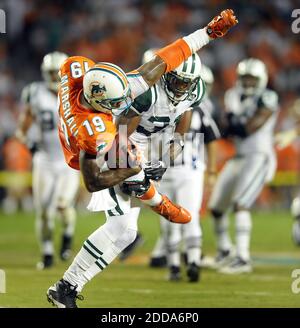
(90, 94)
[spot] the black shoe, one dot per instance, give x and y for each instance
(158, 262)
(63, 295)
(174, 274)
(193, 272)
(46, 263)
(139, 240)
(65, 250)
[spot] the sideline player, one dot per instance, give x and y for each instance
(55, 185)
(251, 113)
(89, 94)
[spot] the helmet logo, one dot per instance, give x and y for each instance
(97, 90)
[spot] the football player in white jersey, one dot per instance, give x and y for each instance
(55, 185)
(159, 113)
(251, 113)
(184, 183)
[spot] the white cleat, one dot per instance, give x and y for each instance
(237, 266)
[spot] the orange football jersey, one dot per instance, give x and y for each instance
(80, 128)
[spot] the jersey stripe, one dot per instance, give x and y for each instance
(113, 67)
(193, 64)
(113, 71)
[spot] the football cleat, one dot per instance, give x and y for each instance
(46, 263)
(237, 266)
(223, 258)
(158, 262)
(65, 250)
(172, 212)
(63, 295)
(220, 25)
(193, 272)
(139, 240)
(174, 274)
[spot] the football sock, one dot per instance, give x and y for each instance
(174, 258)
(221, 230)
(193, 245)
(243, 232)
(47, 247)
(160, 248)
(91, 257)
(68, 216)
(151, 197)
(101, 248)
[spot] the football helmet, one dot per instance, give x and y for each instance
(180, 83)
(106, 88)
(50, 66)
(252, 76)
(208, 77)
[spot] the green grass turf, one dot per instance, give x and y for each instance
(134, 284)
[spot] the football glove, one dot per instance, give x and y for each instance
(220, 25)
(154, 170)
(135, 188)
(236, 126)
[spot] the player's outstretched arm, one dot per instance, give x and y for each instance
(171, 56)
(95, 180)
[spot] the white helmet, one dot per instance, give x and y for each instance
(50, 66)
(181, 82)
(208, 77)
(148, 55)
(106, 88)
(256, 68)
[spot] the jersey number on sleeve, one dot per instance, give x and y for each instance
(97, 125)
(77, 70)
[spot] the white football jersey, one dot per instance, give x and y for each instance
(159, 116)
(246, 107)
(43, 103)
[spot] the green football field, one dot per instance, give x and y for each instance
(133, 284)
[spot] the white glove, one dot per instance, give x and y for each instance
(285, 138)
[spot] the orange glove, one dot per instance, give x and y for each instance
(220, 25)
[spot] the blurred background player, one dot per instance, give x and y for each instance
(251, 113)
(55, 185)
(284, 139)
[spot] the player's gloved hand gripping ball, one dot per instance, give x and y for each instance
(154, 170)
(220, 25)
